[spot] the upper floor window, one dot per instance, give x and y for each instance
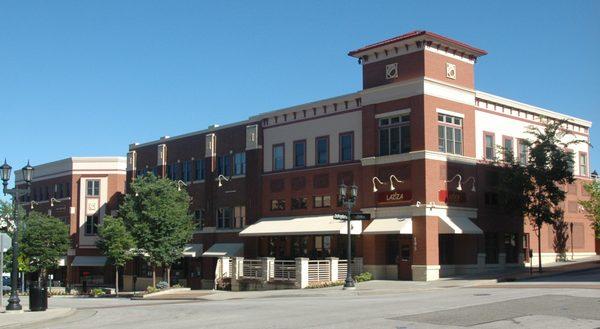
(68, 189)
(278, 157)
(299, 203)
(277, 205)
(322, 150)
(394, 135)
(239, 163)
(224, 217)
(199, 169)
(93, 187)
(322, 201)
(187, 171)
(583, 164)
(239, 217)
(58, 191)
(572, 162)
(450, 136)
(523, 152)
(299, 153)
(489, 146)
(508, 148)
(346, 146)
(91, 225)
(199, 219)
(223, 165)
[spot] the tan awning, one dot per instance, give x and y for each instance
(94, 261)
(192, 250)
(309, 225)
(458, 225)
(225, 250)
(389, 226)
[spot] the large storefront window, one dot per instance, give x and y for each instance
(491, 248)
(394, 135)
(450, 136)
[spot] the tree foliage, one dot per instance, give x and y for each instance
(115, 242)
(533, 189)
(592, 206)
(44, 242)
(157, 216)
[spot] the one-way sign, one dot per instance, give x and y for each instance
(353, 216)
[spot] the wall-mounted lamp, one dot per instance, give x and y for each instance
(459, 186)
(379, 181)
(52, 200)
(32, 203)
(472, 187)
(179, 183)
(221, 178)
(392, 178)
(418, 204)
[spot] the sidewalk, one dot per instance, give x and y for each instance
(553, 269)
(14, 320)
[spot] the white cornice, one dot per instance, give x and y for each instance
(530, 108)
(417, 155)
(76, 165)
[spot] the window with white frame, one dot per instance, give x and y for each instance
(278, 157)
(489, 146)
(583, 164)
(93, 187)
(450, 134)
(523, 151)
(394, 134)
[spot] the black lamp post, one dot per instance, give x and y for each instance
(14, 303)
(348, 200)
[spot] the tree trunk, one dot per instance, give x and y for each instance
(117, 281)
(169, 276)
(540, 248)
(154, 276)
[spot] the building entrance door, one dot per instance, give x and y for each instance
(404, 259)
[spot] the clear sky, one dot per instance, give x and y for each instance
(86, 78)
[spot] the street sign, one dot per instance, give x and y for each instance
(5, 242)
(353, 216)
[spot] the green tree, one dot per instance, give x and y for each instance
(44, 242)
(157, 216)
(533, 188)
(116, 243)
(592, 206)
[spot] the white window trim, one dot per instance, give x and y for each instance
(393, 113)
(446, 112)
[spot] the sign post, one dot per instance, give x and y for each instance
(5, 242)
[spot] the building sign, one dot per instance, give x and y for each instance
(391, 197)
(452, 196)
(91, 206)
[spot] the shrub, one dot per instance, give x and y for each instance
(97, 292)
(151, 289)
(162, 285)
(364, 276)
(224, 284)
(177, 285)
(325, 284)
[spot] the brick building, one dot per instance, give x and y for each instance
(417, 140)
(80, 191)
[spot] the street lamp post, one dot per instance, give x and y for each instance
(348, 201)
(14, 303)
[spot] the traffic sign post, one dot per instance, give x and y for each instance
(5, 243)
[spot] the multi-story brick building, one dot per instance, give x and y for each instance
(417, 140)
(80, 191)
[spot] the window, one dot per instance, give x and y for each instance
(239, 217)
(199, 167)
(47, 194)
(491, 199)
(223, 165)
(322, 201)
(168, 171)
(199, 219)
(299, 154)
(508, 149)
(58, 191)
(394, 135)
(488, 147)
(450, 134)
(187, 171)
(68, 189)
(491, 248)
(346, 147)
(93, 188)
(277, 205)
(278, 157)
(322, 149)
(91, 225)
(175, 171)
(299, 203)
(239, 163)
(523, 152)
(224, 217)
(583, 164)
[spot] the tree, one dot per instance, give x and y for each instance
(157, 215)
(592, 206)
(532, 188)
(45, 241)
(116, 243)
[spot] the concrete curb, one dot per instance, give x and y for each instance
(552, 274)
(16, 320)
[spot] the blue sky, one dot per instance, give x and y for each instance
(86, 78)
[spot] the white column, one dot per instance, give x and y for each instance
(267, 264)
(225, 267)
(301, 272)
(333, 268)
(239, 268)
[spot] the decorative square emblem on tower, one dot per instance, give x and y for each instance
(391, 71)
(451, 71)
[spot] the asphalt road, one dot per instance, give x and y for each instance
(572, 304)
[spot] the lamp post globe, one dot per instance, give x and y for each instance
(27, 172)
(6, 169)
